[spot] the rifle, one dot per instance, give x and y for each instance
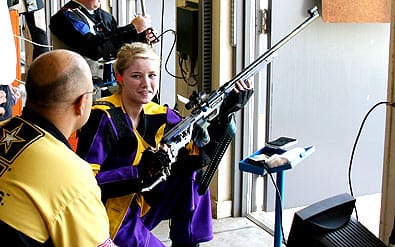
(208, 108)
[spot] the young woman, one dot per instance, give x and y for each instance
(121, 129)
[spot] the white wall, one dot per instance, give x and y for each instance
(323, 83)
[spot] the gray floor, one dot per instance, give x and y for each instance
(241, 231)
(228, 232)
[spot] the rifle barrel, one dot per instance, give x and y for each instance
(268, 56)
(143, 9)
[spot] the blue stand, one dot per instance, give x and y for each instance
(249, 165)
(278, 237)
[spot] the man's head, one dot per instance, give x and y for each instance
(59, 85)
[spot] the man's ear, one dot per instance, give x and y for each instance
(79, 105)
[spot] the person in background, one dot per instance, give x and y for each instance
(82, 26)
(122, 140)
(49, 195)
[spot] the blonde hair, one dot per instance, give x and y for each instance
(129, 52)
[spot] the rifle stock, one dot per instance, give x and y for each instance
(181, 134)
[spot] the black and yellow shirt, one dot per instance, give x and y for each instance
(48, 195)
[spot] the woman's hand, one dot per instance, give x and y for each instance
(237, 98)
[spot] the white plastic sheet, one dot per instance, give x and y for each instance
(7, 47)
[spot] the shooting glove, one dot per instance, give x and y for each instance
(152, 163)
(151, 36)
(235, 101)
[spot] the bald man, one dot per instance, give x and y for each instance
(48, 195)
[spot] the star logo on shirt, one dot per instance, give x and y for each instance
(10, 137)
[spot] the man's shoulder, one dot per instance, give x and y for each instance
(63, 12)
(18, 135)
(69, 7)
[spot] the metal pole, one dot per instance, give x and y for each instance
(279, 207)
